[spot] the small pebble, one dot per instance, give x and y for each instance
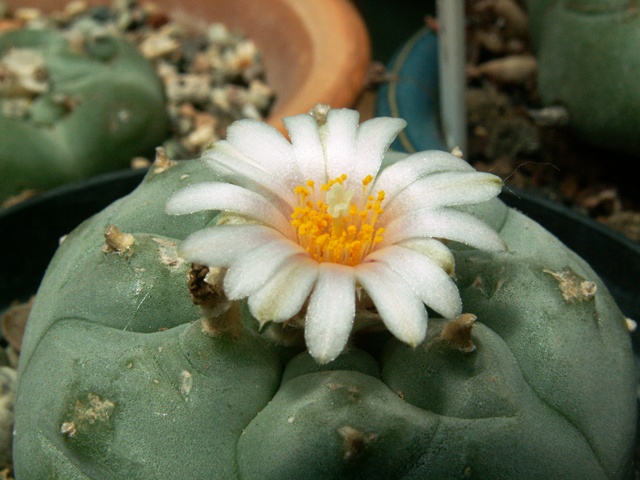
(188, 88)
(27, 14)
(512, 69)
(101, 13)
(8, 381)
(158, 45)
(23, 72)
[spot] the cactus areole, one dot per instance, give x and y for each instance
(73, 105)
(318, 307)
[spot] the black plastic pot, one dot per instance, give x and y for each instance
(30, 232)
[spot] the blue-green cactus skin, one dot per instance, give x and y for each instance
(105, 106)
(118, 380)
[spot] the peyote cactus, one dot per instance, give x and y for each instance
(73, 105)
(150, 356)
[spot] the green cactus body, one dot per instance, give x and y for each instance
(118, 380)
(588, 62)
(104, 105)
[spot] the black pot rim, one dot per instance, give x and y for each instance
(30, 230)
(37, 223)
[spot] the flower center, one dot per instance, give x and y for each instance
(331, 227)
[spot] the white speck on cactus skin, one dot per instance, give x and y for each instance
(324, 220)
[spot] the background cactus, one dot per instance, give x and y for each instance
(575, 42)
(117, 378)
(100, 104)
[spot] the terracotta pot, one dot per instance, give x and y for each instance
(315, 51)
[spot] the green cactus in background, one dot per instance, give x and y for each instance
(121, 378)
(73, 106)
(588, 62)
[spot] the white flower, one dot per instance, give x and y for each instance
(320, 220)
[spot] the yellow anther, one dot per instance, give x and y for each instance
(334, 226)
(300, 190)
(322, 239)
(378, 238)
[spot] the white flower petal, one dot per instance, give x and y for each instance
(339, 141)
(400, 309)
(285, 293)
(251, 271)
(223, 154)
(373, 139)
(396, 177)
(443, 190)
(429, 282)
(235, 167)
(229, 198)
(307, 148)
(449, 224)
(222, 245)
(263, 144)
(330, 312)
(433, 249)
(409, 269)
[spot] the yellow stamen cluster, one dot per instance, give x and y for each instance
(332, 228)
